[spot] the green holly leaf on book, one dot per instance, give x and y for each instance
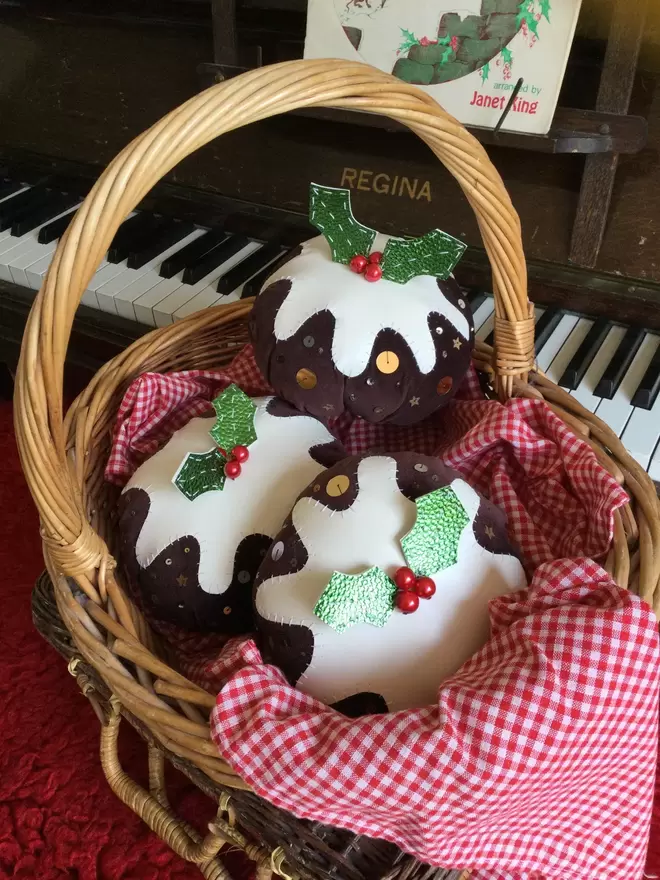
(408, 40)
(435, 253)
(545, 9)
(485, 72)
(330, 211)
(234, 424)
(432, 543)
(350, 599)
(201, 472)
(507, 56)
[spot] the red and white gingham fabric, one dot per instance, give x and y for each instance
(538, 759)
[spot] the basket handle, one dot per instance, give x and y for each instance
(253, 96)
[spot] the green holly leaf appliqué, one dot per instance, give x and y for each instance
(201, 472)
(435, 253)
(234, 424)
(330, 211)
(432, 544)
(350, 599)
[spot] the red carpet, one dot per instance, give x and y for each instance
(58, 818)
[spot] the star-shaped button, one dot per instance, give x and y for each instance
(490, 532)
(414, 401)
(182, 580)
(328, 407)
(458, 342)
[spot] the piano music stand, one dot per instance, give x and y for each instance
(601, 134)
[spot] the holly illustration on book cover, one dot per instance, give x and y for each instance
(441, 42)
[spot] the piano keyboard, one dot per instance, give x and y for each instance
(611, 370)
(159, 270)
(156, 271)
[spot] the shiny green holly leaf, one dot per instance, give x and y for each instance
(234, 423)
(330, 211)
(432, 543)
(201, 472)
(350, 599)
(435, 253)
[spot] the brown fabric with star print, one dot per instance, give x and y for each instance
(301, 369)
(291, 646)
(168, 588)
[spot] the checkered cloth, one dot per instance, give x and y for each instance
(538, 759)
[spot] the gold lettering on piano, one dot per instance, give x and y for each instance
(385, 184)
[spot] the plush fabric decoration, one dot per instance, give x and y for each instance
(328, 341)
(379, 583)
(192, 551)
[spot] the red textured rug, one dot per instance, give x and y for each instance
(58, 818)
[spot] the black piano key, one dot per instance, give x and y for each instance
(254, 285)
(490, 339)
(649, 388)
(545, 327)
(13, 207)
(54, 230)
(129, 233)
(216, 257)
(475, 299)
(50, 207)
(241, 273)
(620, 363)
(163, 237)
(583, 357)
(9, 187)
(192, 253)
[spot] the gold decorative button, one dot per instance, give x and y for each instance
(306, 379)
(445, 385)
(387, 362)
(337, 486)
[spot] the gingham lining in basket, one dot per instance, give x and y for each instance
(539, 758)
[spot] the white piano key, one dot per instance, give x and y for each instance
(144, 305)
(617, 411)
(565, 354)
(206, 299)
(641, 434)
(555, 341)
(485, 311)
(164, 310)
(584, 393)
(100, 277)
(144, 278)
(19, 263)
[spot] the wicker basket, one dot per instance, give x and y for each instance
(64, 456)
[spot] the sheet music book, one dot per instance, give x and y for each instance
(468, 55)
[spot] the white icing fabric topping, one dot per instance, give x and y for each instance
(407, 659)
(278, 469)
(361, 308)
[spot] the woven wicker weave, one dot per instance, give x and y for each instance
(63, 456)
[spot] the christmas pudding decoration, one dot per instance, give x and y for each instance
(197, 517)
(377, 587)
(359, 321)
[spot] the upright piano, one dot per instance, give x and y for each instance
(78, 80)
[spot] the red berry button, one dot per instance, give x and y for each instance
(375, 257)
(405, 578)
(373, 272)
(407, 602)
(233, 469)
(424, 587)
(358, 264)
(240, 453)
